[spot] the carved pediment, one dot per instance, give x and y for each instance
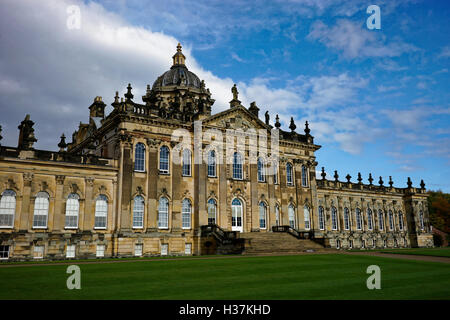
(236, 118)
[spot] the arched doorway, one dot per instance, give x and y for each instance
(236, 215)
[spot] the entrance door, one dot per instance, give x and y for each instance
(236, 215)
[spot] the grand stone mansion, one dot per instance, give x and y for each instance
(125, 187)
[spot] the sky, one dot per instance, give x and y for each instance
(377, 100)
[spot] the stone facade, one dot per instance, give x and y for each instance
(115, 165)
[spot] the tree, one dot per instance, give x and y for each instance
(439, 208)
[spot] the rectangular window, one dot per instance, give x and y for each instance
(38, 252)
(138, 249)
(70, 251)
(164, 249)
(100, 250)
(4, 252)
(188, 248)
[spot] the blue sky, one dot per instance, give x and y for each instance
(377, 100)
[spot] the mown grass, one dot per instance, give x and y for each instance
(435, 252)
(329, 276)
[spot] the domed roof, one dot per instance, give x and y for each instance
(178, 75)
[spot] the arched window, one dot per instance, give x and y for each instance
(101, 212)
(400, 220)
(334, 220)
(380, 220)
(346, 219)
(40, 214)
(72, 210)
(422, 224)
(212, 210)
(262, 215)
(236, 214)
(291, 215)
(138, 212)
(277, 215)
(321, 219)
(261, 173)
(289, 174)
(186, 162)
(391, 220)
(304, 176)
(237, 166)
(212, 163)
(139, 157)
(186, 214)
(163, 213)
(306, 216)
(7, 209)
(164, 159)
(369, 219)
(358, 219)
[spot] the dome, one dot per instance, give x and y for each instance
(178, 75)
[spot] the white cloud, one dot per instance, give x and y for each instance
(354, 41)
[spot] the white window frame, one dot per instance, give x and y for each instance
(307, 218)
(186, 214)
(188, 249)
(101, 211)
(136, 159)
(161, 162)
(358, 216)
(8, 208)
(71, 251)
(212, 164)
(238, 166)
(41, 205)
(261, 170)
(291, 214)
(72, 210)
(164, 249)
(2, 252)
(334, 219)
(100, 250)
(138, 212)
(163, 213)
(186, 163)
(289, 173)
(369, 219)
(305, 176)
(262, 215)
(346, 219)
(212, 206)
(321, 218)
(380, 220)
(138, 249)
(38, 250)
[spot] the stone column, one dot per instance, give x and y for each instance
(89, 210)
(26, 198)
(58, 216)
(153, 177)
(254, 210)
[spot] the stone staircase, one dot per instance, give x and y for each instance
(277, 242)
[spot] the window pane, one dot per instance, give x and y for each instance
(237, 166)
(261, 173)
(163, 213)
(290, 180)
(211, 211)
(304, 176)
(291, 216)
(262, 215)
(139, 158)
(7, 208)
(72, 209)
(186, 214)
(164, 159)
(101, 212)
(138, 212)
(212, 164)
(306, 215)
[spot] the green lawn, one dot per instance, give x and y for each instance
(328, 276)
(436, 252)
